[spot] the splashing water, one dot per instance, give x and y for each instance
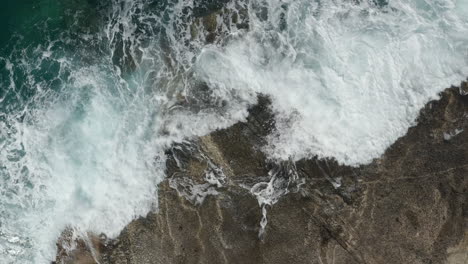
(86, 117)
(91, 95)
(346, 79)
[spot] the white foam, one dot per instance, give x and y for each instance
(89, 162)
(91, 155)
(449, 135)
(346, 80)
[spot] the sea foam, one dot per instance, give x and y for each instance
(83, 144)
(346, 79)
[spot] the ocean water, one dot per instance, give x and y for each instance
(346, 79)
(92, 93)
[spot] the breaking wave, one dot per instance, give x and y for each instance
(88, 110)
(346, 79)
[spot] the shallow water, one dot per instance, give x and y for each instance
(93, 92)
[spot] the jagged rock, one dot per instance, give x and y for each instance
(409, 206)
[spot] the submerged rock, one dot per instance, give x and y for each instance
(409, 206)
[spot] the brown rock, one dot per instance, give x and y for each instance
(78, 250)
(410, 206)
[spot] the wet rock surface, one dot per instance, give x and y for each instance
(225, 202)
(409, 206)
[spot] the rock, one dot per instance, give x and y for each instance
(459, 253)
(409, 206)
(73, 249)
(225, 202)
(216, 25)
(464, 88)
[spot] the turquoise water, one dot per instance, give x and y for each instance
(20, 16)
(32, 26)
(90, 99)
(93, 92)
(75, 134)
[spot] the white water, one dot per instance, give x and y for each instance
(346, 81)
(89, 157)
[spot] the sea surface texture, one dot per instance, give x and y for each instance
(92, 94)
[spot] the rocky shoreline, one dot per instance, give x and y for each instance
(409, 206)
(224, 202)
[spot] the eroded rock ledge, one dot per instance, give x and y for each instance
(409, 206)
